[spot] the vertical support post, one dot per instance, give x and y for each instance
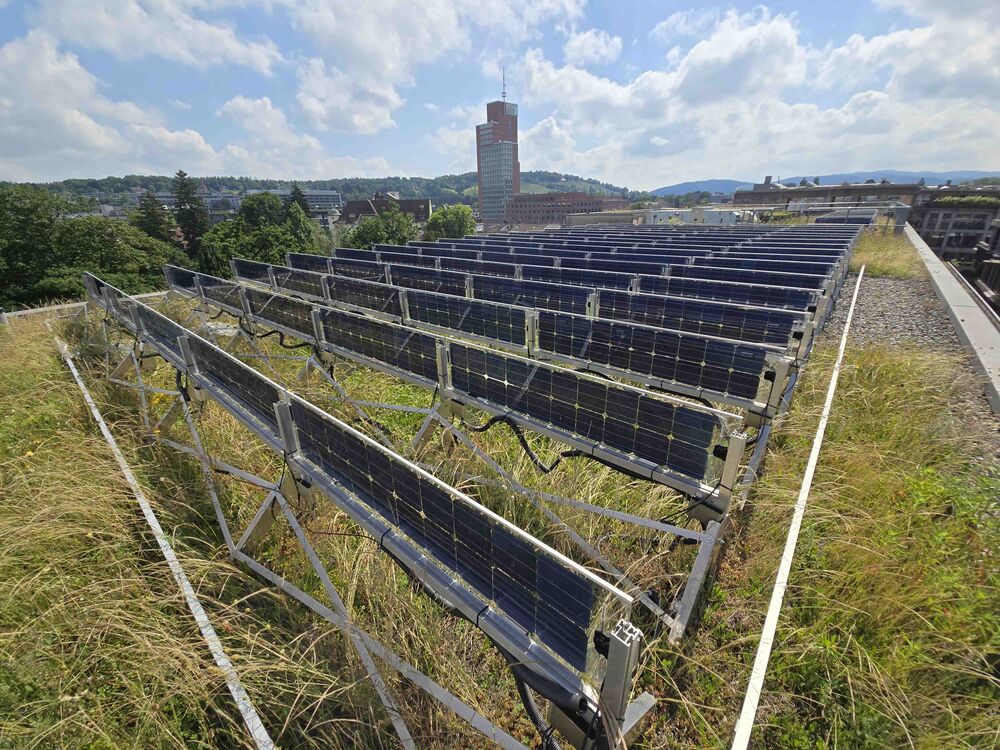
(531, 330)
(518, 272)
(443, 366)
(245, 304)
(623, 657)
(404, 306)
(780, 370)
(470, 289)
(593, 304)
(387, 272)
(272, 279)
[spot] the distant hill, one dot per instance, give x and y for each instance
(702, 186)
(893, 175)
(896, 175)
(454, 188)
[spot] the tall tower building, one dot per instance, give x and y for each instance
(498, 169)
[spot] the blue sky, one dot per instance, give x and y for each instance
(642, 94)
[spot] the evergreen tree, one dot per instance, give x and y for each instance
(260, 210)
(152, 218)
(295, 195)
(190, 211)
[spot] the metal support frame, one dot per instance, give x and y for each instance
(276, 505)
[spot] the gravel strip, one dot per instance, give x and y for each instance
(907, 312)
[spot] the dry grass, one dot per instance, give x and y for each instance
(886, 254)
(888, 635)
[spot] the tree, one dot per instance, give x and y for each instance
(28, 218)
(260, 210)
(43, 255)
(449, 221)
(152, 218)
(295, 195)
(391, 227)
(190, 211)
(117, 252)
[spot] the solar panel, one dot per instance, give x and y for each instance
(577, 277)
(479, 266)
(181, 279)
(368, 295)
(749, 277)
(428, 279)
(292, 314)
(708, 318)
(353, 253)
(358, 269)
(720, 366)
(254, 392)
(473, 317)
(225, 294)
(626, 419)
(251, 270)
(535, 260)
(305, 262)
(531, 294)
(541, 594)
(403, 348)
(617, 265)
(163, 331)
(726, 291)
(302, 282)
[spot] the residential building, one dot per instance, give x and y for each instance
(353, 211)
(552, 208)
(497, 165)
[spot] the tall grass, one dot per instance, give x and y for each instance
(885, 253)
(888, 637)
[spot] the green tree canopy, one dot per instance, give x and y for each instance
(189, 210)
(43, 254)
(450, 221)
(262, 231)
(260, 210)
(153, 219)
(391, 227)
(295, 195)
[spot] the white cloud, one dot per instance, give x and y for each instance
(592, 46)
(132, 29)
(179, 104)
(685, 23)
(336, 100)
(732, 104)
(376, 49)
(272, 147)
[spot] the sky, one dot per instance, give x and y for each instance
(639, 95)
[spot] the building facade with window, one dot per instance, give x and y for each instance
(552, 208)
(497, 167)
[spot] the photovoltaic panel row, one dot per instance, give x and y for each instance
(698, 316)
(532, 585)
(735, 274)
(686, 433)
(755, 264)
(792, 298)
(715, 365)
(641, 353)
(628, 420)
(709, 318)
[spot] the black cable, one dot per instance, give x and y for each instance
(544, 730)
(516, 429)
(281, 340)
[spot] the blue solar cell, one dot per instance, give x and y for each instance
(577, 277)
(749, 277)
(292, 314)
(542, 595)
(251, 389)
(251, 270)
(358, 269)
(306, 262)
(474, 317)
(428, 279)
(405, 349)
(725, 291)
(531, 294)
(769, 326)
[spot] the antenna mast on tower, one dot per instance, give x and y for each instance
(503, 78)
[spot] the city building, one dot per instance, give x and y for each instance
(353, 211)
(320, 201)
(552, 208)
(953, 220)
(497, 165)
(806, 192)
